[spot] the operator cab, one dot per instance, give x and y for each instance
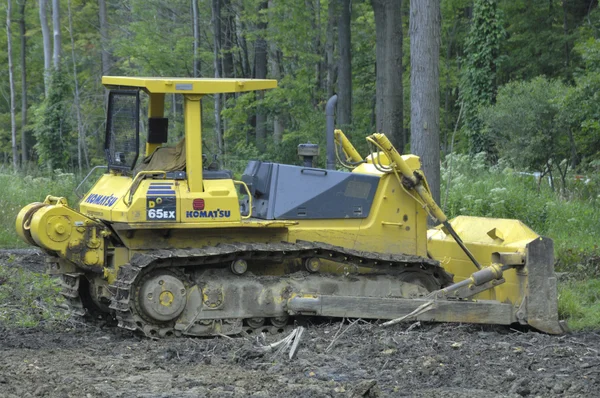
(275, 191)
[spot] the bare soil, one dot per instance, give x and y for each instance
(334, 359)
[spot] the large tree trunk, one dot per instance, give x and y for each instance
(424, 30)
(330, 48)
(11, 82)
(260, 72)
(388, 108)
(105, 54)
(344, 105)
(47, 45)
(56, 31)
(23, 34)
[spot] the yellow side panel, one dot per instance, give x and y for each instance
(396, 224)
(218, 203)
(105, 196)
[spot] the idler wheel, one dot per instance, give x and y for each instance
(255, 323)
(279, 321)
(162, 297)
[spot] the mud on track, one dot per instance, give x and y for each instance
(334, 360)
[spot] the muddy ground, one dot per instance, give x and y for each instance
(334, 359)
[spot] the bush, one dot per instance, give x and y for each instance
(477, 189)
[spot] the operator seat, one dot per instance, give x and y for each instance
(172, 158)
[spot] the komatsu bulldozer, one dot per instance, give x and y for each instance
(168, 246)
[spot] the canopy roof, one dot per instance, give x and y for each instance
(186, 85)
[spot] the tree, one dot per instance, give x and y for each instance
(23, 36)
(104, 40)
(424, 30)
(57, 34)
(46, 44)
(196, 28)
(260, 72)
(216, 19)
(81, 150)
(330, 48)
(52, 125)
(389, 104)
(525, 123)
(344, 108)
(11, 79)
(478, 83)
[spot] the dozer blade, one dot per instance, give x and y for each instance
(528, 282)
(542, 297)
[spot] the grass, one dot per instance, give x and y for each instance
(579, 303)
(570, 219)
(18, 191)
(29, 299)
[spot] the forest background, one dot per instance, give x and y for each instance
(517, 110)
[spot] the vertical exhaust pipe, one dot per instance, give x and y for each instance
(330, 114)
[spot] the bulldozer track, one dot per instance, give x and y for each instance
(124, 286)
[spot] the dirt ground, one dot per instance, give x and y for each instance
(334, 359)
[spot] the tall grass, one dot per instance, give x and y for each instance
(569, 216)
(17, 191)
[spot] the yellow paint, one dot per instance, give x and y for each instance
(188, 85)
(166, 298)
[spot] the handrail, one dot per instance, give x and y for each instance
(80, 196)
(235, 182)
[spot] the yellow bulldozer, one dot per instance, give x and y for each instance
(168, 246)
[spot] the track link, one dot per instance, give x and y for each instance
(128, 275)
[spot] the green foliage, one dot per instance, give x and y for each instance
(579, 303)
(525, 123)
(52, 129)
(28, 299)
(19, 191)
(478, 82)
(498, 191)
(580, 111)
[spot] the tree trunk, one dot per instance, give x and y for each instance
(195, 23)
(330, 48)
(316, 26)
(424, 30)
(245, 61)
(566, 33)
(81, 152)
(57, 35)
(105, 54)
(344, 105)
(23, 34)
(11, 82)
(260, 72)
(216, 17)
(388, 108)
(47, 45)
(226, 37)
